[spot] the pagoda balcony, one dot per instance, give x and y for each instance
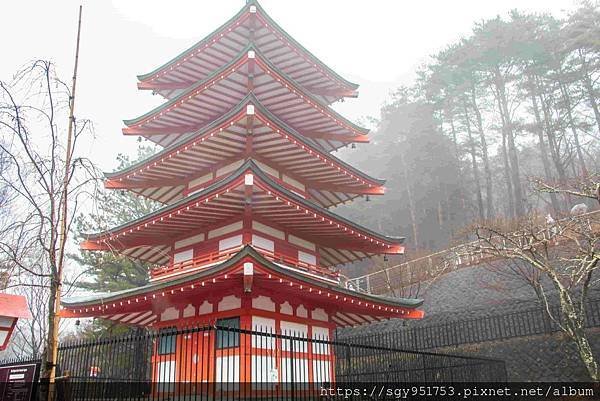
(213, 258)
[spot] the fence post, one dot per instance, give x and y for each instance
(292, 363)
(424, 358)
(348, 363)
(65, 386)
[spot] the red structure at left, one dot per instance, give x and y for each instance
(245, 237)
(12, 308)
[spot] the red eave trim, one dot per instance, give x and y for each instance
(347, 89)
(184, 129)
(91, 245)
(181, 129)
(392, 247)
(357, 302)
(243, 58)
(184, 85)
(119, 181)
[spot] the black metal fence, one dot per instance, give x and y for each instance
(528, 322)
(219, 362)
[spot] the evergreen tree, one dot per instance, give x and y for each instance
(110, 271)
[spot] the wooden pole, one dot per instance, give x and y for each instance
(63, 216)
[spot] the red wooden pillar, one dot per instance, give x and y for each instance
(246, 342)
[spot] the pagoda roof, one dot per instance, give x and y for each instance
(164, 176)
(209, 99)
(341, 241)
(222, 45)
(137, 305)
(14, 306)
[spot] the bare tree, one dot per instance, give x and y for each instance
(558, 258)
(585, 187)
(28, 340)
(42, 170)
(4, 267)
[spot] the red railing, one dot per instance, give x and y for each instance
(297, 264)
(427, 268)
(219, 256)
(199, 261)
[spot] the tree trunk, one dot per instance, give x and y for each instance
(567, 100)
(489, 199)
(585, 353)
(589, 88)
(514, 173)
(542, 146)
(509, 189)
(553, 146)
(411, 203)
(573, 323)
(47, 367)
(457, 156)
(474, 163)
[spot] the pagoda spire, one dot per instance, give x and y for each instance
(251, 25)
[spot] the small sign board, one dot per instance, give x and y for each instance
(17, 381)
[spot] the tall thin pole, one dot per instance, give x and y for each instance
(63, 216)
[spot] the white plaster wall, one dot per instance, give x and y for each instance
(307, 258)
(263, 243)
(189, 311)
(300, 371)
(301, 311)
(169, 314)
(319, 314)
(295, 330)
(228, 369)
(286, 308)
(264, 369)
(183, 256)
(230, 242)
(205, 308)
(189, 241)
(320, 333)
(225, 229)
(268, 230)
(229, 302)
(321, 371)
(264, 303)
(300, 242)
(264, 325)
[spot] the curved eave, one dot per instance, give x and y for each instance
(208, 39)
(219, 186)
(224, 71)
(207, 129)
(308, 205)
(223, 268)
(194, 47)
(345, 82)
(208, 79)
(213, 126)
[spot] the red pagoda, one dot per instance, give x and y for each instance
(245, 237)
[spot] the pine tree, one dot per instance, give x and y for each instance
(108, 271)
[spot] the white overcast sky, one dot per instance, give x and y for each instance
(377, 44)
